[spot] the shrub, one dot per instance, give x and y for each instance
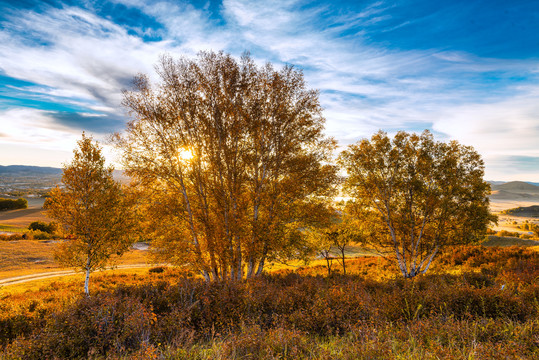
(157, 269)
(493, 302)
(43, 226)
(10, 204)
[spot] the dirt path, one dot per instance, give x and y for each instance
(51, 274)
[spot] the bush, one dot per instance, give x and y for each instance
(10, 204)
(157, 270)
(492, 303)
(43, 226)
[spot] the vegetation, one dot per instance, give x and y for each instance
(231, 170)
(233, 162)
(476, 303)
(334, 238)
(92, 210)
(10, 204)
(532, 211)
(508, 241)
(416, 195)
(43, 226)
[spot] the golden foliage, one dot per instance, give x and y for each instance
(258, 159)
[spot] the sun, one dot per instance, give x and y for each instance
(185, 154)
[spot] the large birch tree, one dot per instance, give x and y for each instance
(233, 160)
(420, 195)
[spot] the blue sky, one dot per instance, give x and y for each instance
(466, 70)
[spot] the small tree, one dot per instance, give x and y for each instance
(426, 194)
(342, 235)
(321, 243)
(92, 210)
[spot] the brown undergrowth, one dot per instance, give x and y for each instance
(480, 303)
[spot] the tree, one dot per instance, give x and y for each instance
(233, 159)
(92, 210)
(321, 241)
(421, 195)
(334, 237)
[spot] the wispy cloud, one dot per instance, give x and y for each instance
(377, 64)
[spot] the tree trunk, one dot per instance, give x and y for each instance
(329, 263)
(343, 262)
(87, 280)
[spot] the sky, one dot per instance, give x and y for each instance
(466, 70)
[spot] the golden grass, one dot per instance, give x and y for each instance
(13, 228)
(76, 281)
(25, 257)
(22, 217)
(508, 241)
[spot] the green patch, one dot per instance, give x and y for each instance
(527, 211)
(508, 241)
(11, 228)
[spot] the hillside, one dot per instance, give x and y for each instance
(518, 191)
(517, 187)
(23, 170)
(22, 179)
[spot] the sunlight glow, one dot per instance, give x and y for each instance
(185, 154)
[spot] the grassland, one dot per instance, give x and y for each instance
(18, 220)
(478, 303)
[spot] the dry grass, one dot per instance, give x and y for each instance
(508, 241)
(75, 282)
(25, 257)
(301, 315)
(23, 217)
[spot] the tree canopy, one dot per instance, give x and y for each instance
(232, 158)
(418, 194)
(92, 210)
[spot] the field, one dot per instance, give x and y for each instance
(30, 260)
(20, 219)
(477, 302)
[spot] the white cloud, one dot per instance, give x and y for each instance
(87, 58)
(31, 126)
(365, 87)
(509, 127)
(31, 136)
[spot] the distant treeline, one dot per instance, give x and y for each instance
(523, 211)
(10, 204)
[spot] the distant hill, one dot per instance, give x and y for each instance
(22, 179)
(492, 182)
(515, 191)
(517, 187)
(510, 195)
(29, 171)
(24, 170)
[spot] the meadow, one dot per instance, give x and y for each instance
(476, 303)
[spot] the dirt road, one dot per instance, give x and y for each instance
(51, 274)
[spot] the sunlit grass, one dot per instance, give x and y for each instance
(25, 257)
(456, 311)
(13, 228)
(73, 284)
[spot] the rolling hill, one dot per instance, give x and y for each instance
(517, 187)
(515, 190)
